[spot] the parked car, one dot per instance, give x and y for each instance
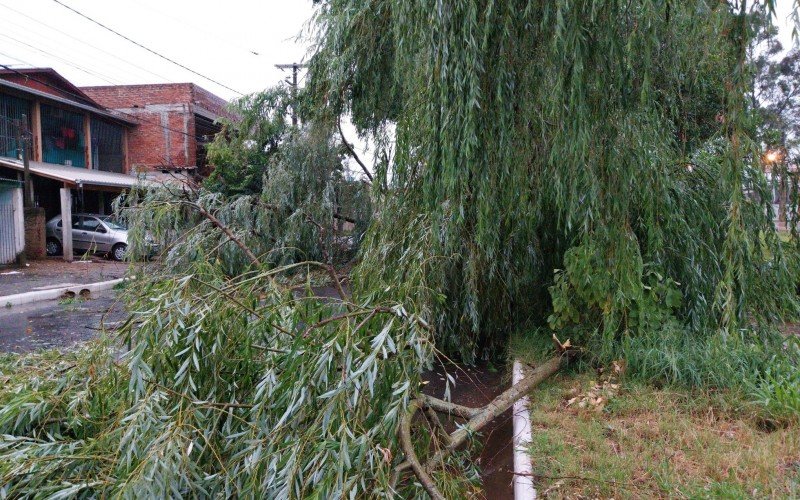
(90, 233)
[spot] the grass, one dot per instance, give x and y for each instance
(646, 442)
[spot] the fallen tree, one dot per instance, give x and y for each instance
(476, 419)
(579, 165)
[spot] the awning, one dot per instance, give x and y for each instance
(76, 176)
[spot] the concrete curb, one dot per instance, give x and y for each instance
(523, 470)
(57, 293)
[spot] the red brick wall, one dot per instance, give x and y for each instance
(149, 145)
(211, 102)
(46, 83)
(156, 107)
(129, 96)
(154, 146)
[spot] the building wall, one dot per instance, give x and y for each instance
(166, 135)
(211, 102)
(52, 82)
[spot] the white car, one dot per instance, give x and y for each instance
(90, 233)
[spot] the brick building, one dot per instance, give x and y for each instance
(77, 151)
(176, 121)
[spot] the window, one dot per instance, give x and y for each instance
(63, 140)
(11, 108)
(90, 224)
(107, 150)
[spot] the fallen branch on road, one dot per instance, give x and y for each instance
(477, 419)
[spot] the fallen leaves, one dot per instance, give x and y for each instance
(600, 391)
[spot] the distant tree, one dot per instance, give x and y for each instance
(775, 94)
(242, 151)
(775, 102)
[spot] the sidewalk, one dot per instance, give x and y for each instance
(55, 273)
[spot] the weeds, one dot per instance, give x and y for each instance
(764, 368)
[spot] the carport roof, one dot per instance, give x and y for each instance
(77, 177)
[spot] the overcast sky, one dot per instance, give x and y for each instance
(235, 42)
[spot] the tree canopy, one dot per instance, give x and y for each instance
(587, 167)
(605, 141)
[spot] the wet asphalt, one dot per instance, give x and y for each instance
(57, 324)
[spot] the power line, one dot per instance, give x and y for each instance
(115, 56)
(51, 49)
(131, 115)
(65, 61)
(146, 48)
(17, 59)
(194, 27)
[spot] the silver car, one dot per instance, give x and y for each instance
(90, 233)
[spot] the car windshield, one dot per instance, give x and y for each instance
(113, 224)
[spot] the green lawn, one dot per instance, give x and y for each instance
(596, 440)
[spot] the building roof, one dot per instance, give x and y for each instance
(77, 177)
(61, 100)
(133, 96)
(60, 85)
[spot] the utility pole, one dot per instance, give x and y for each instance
(295, 67)
(23, 135)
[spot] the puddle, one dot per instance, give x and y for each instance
(56, 324)
(476, 386)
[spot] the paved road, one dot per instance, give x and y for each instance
(53, 271)
(57, 324)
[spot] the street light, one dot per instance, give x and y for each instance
(772, 156)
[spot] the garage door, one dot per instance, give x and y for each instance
(8, 247)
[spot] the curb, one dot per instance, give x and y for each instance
(57, 293)
(523, 470)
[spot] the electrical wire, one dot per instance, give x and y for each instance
(196, 28)
(146, 48)
(68, 35)
(17, 59)
(75, 58)
(65, 61)
(131, 115)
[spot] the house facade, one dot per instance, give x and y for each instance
(74, 142)
(175, 122)
(85, 146)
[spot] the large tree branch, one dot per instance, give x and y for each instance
(411, 456)
(478, 418)
(351, 150)
(222, 227)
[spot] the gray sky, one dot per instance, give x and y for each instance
(215, 38)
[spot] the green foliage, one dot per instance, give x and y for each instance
(299, 213)
(777, 389)
(242, 152)
(761, 368)
(230, 388)
(642, 302)
(525, 132)
(528, 138)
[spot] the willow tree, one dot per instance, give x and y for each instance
(587, 164)
(583, 164)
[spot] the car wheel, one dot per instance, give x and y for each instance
(52, 247)
(118, 252)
